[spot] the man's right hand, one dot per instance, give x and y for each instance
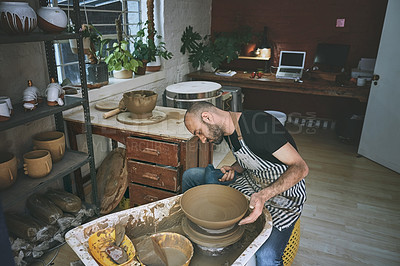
(229, 173)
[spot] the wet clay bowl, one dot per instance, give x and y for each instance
(8, 169)
(214, 206)
(37, 163)
(140, 103)
(53, 141)
(99, 241)
(178, 249)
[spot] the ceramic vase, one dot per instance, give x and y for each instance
(52, 19)
(8, 169)
(30, 98)
(17, 17)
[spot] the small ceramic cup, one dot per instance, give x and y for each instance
(4, 111)
(8, 169)
(37, 163)
(53, 141)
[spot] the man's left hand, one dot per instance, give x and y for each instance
(256, 204)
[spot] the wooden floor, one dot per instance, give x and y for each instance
(352, 213)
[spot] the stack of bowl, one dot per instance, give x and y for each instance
(212, 213)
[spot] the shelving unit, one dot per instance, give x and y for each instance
(72, 160)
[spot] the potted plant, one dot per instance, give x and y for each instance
(97, 69)
(88, 33)
(120, 60)
(206, 50)
(148, 47)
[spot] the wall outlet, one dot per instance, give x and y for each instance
(340, 22)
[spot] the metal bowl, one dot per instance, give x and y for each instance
(214, 206)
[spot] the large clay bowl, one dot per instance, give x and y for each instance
(8, 169)
(53, 141)
(178, 249)
(214, 206)
(140, 103)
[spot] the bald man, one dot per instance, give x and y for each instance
(268, 168)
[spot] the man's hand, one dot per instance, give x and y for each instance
(229, 173)
(257, 201)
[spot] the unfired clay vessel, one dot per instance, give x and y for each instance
(8, 169)
(37, 163)
(53, 141)
(140, 103)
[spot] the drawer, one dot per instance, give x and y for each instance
(152, 151)
(153, 175)
(139, 195)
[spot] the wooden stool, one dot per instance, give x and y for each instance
(292, 246)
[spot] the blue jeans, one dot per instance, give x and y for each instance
(200, 176)
(270, 253)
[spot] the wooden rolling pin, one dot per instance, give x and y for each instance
(121, 108)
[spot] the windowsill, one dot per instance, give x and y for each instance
(118, 86)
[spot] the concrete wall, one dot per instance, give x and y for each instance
(21, 62)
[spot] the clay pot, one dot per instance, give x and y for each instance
(8, 169)
(53, 141)
(37, 163)
(142, 69)
(154, 66)
(180, 249)
(52, 19)
(17, 17)
(140, 103)
(123, 74)
(214, 206)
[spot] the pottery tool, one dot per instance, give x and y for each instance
(107, 105)
(121, 108)
(159, 251)
(114, 251)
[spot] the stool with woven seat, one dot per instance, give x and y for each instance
(292, 246)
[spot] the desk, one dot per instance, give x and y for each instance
(157, 154)
(258, 92)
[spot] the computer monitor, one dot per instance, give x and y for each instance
(331, 57)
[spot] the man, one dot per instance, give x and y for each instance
(269, 168)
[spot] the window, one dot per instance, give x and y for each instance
(102, 14)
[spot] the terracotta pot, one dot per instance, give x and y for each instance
(17, 17)
(37, 163)
(8, 169)
(52, 19)
(53, 141)
(123, 74)
(141, 70)
(140, 103)
(154, 66)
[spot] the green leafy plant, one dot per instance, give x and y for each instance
(120, 57)
(147, 48)
(223, 46)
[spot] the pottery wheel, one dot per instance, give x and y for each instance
(157, 116)
(203, 238)
(107, 105)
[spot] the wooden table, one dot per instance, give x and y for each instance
(157, 154)
(268, 92)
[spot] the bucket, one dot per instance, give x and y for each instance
(278, 115)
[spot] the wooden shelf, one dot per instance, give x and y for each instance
(254, 58)
(25, 186)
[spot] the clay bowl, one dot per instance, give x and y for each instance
(8, 169)
(214, 206)
(177, 249)
(140, 103)
(53, 141)
(37, 163)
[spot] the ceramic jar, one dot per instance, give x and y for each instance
(5, 111)
(53, 141)
(30, 98)
(54, 94)
(8, 169)
(123, 74)
(17, 17)
(52, 19)
(37, 163)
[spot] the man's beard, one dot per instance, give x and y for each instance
(216, 134)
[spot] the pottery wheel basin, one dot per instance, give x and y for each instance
(214, 206)
(140, 103)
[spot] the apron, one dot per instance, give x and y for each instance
(286, 207)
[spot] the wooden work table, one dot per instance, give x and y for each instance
(312, 95)
(157, 154)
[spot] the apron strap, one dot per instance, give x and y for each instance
(236, 124)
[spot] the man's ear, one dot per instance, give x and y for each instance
(207, 117)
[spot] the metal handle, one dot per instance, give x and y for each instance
(150, 198)
(151, 176)
(151, 151)
(375, 77)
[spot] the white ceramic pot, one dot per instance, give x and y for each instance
(17, 17)
(52, 19)
(123, 74)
